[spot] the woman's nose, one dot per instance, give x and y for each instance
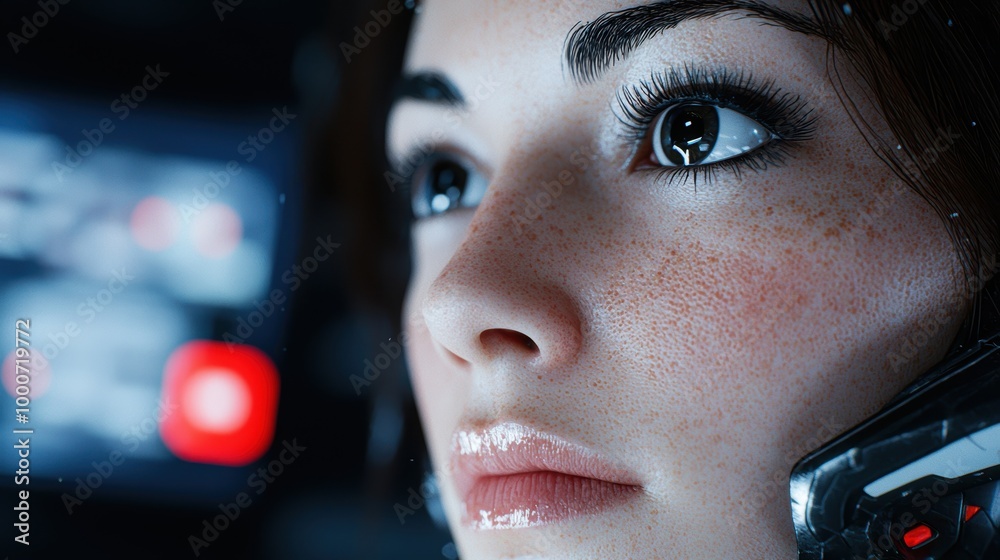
(499, 296)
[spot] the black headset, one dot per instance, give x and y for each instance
(919, 480)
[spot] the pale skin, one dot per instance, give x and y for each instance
(705, 338)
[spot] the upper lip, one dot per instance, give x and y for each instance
(510, 448)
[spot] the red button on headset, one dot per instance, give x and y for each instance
(917, 536)
(970, 511)
(226, 401)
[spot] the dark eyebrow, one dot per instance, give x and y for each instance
(430, 87)
(593, 47)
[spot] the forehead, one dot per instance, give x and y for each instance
(507, 59)
(453, 34)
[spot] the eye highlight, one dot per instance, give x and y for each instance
(443, 182)
(698, 134)
(696, 123)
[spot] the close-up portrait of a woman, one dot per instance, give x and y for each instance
(500, 279)
(662, 251)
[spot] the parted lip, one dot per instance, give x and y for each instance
(512, 448)
(506, 450)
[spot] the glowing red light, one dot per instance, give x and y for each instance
(155, 223)
(917, 536)
(228, 401)
(217, 400)
(970, 511)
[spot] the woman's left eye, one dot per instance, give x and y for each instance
(692, 133)
(442, 183)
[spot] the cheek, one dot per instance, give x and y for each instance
(789, 308)
(759, 337)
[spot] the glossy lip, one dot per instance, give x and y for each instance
(512, 476)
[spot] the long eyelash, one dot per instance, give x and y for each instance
(405, 167)
(785, 115)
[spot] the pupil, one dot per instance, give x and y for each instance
(447, 184)
(691, 133)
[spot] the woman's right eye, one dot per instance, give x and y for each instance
(441, 184)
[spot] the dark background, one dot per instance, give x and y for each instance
(364, 452)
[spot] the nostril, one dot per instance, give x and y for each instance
(494, 340)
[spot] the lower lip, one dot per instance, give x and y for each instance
(538, 498)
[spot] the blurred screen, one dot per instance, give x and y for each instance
(182, 344)
(127, 236)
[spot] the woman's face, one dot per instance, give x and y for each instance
(613, 360)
